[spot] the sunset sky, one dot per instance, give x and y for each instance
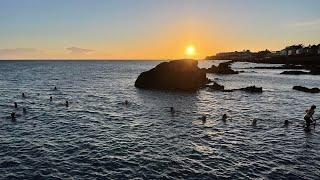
(152, 29)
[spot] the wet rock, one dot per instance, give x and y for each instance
(305, 89)
(315, 71)
(285, 66)
(222, 68)
(216, 87)
(294, 72)
(182, 75)
(252, 89)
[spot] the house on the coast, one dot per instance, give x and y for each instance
(293, 50)
(300, 51)
(284, 52)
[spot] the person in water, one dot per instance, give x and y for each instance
(286, 123)
(67, 103)
(254, 122)
(55, 88)
(204, 119)
(309, 116)
(15, 105)
(172, 110)
(23, 95)
(24, 110)
(126, 102)
(50, 98)
(224, 117)
(13, 116)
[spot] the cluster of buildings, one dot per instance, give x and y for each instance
(295, 50)
(301, 50)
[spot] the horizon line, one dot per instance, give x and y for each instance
(27, 59)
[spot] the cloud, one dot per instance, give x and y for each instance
(310, 23)
(18, 52)
(76, 50)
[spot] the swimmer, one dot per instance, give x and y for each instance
(172, 110)
(309, 116)
(13, 116)
(254, 122)
(55, 88)
(126, 102)
(38, 94)
(15, 105)
(24, 110)
(67, 103)
(224, 117)
(50, 98)
(204, 119)
(286, 123)
(23, 95)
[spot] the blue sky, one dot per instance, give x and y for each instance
(155, 29)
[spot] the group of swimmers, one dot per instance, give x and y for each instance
(24, 110)
(308, 117)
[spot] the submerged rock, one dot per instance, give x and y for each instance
(222, 68)
(183, 75)
(313, 71)
(216, 87)
(252, 89)
(305, 89)
(294, 72)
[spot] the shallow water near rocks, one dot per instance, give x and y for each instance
(98, 137)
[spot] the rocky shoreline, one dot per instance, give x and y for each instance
(185, 75)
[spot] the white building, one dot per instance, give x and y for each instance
(291, 52)
(300, 51)
(284, 52)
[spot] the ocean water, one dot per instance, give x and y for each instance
(98, 137)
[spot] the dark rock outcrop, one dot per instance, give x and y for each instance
(216, 87)
(182, 75)
(222, 68)
(294, 72)
(252, 89)
(305, 89)
(313, 71)
(285, 66)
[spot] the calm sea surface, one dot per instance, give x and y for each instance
(98, 137)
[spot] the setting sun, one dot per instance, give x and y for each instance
(190, 51)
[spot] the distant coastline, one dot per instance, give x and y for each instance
(296, 54)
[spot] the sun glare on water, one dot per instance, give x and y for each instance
(190, 51)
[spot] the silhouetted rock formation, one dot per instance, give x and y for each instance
(222, 68)
(183, 75)
(216, 87)
(252, 89)
(294, 72)
(313, 71)
(305, 89)
(285, 66)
